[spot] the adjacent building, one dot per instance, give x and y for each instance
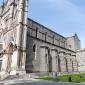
(81, 60)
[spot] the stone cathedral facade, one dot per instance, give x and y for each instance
(27, 46)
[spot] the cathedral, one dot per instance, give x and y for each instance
(29, 47)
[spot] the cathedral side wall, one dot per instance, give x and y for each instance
(34, 55)
(40, 42)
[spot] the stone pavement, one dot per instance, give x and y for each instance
(34, 82)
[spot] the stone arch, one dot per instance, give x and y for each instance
(74, 63)
(54, 54)
(46, 58)
(69, 62)
(62, 61)
(44, 64)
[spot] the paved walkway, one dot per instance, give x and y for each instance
(34, 82)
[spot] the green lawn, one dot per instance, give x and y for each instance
(75, 78)
(46, 78)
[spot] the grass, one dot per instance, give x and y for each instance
(46, 78)
(74, 78)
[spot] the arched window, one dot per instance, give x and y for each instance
(48, 51)
(34, 48)
(46, 60)
(35, 51)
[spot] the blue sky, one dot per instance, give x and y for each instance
(65, 17)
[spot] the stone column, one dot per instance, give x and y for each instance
(69, 62)
(74, 63)
(44, 59)
(54, 54)
(17, 53)
(25, 34)
(62, 61)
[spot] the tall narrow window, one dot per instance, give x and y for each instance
(46, 60)
(56, 60)
(34, 48)
(59, 64)
(35, 52)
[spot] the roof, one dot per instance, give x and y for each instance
(46, 28)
